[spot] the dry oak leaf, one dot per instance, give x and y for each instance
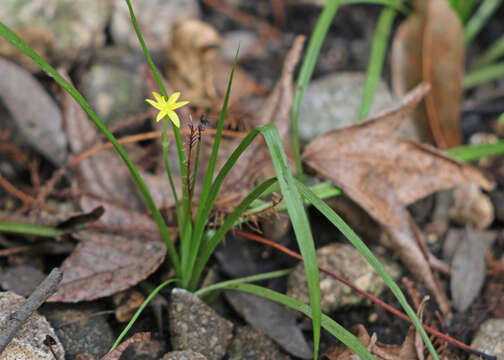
(383, 174)
(104, 263)
(405, 351)
(429, 47)
(411, 348)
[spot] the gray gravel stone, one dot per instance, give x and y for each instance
(114, 87)
(80, 329)
(333, 102)
(490, 339)
(28, 343)
(346, 261)
(156, 19)
(183, 355)
(21, 279)
(195, 325)
(59, 30)
(251, 344)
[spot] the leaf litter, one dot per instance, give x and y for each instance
(383, 174)
(429, 47)
(411, 348)
(125, 210)
(115, 258)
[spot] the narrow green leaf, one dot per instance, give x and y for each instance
(463, 8)
(323, 190)
(300, 223)
(11, 37)
(164, 142)
(376, 59)
(338, 222)
(306, 72)
(139, 311)
(206, 191)
(495, 52)
(185, 212)
(483, 75)
(486, 9)
(29, 229)
(209, 246)
(396, 4)
(327, 323)
(470, 153)
(243, 280)
(294, 206)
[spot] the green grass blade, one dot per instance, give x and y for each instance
(164, 142)
(395, 4)
(139, 311)
(300, 223)
(463, 8)
(338, 222)
(205, 208)
(306, 72)
(202, 214)
(323, 190)
(11, 37)
(176, 131)
(29, 229)
(479, 19)
(209, 246)
(495, 52)
(376, 59)
(470, 153)
(243, 280)
(327, 323)
(483, 75)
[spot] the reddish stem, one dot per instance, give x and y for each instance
(374, 299)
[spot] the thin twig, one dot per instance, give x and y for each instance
(37, 298)
(25, 198)
(374, 299)
(47, 188)
(145, 136)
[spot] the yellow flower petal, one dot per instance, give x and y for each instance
(154, 104)
(166, 107)
(162, 114)
(158, 97)
(173, 98)
(174, 118)
(179, 104)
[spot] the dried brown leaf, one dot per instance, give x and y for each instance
(383, 174)
(405, 351)
(195, 68)
(429, 47)
(104, 263)
(118, 351)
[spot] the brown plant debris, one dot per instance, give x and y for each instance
(383, 174)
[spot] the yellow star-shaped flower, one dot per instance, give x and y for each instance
(167, 107)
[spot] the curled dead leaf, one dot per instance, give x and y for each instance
(429, 47)
(405, 351)
(104, 263)
(383, 174)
